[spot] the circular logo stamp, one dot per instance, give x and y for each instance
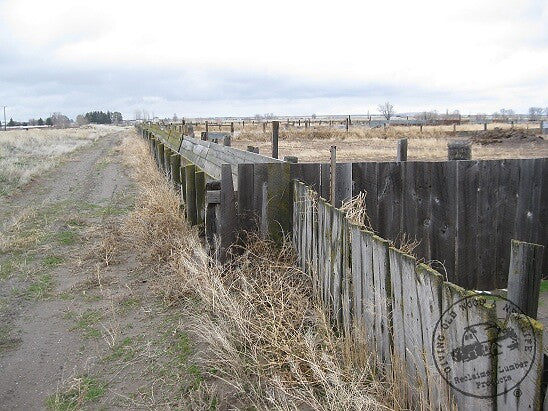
(483, 358)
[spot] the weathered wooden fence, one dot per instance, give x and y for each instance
(406, 311)
(464, 213)
(396, 303)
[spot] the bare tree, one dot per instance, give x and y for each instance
(387, 110)
(535, 113)
(60, 120)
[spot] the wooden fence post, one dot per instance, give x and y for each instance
(484, 126)
(402, 150)
(524, 276)
(228, 212)
(275, 129)
(200, 185)
(190, 176)
(167, 164)
(232, 127)
(459, 150)
(175, 163)
(160, 155)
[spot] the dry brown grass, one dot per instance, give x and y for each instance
(25, 154)
(267, 343)
(364, 144)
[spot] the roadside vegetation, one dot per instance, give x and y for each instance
(26, 154)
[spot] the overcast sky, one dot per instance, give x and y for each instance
(234, 58)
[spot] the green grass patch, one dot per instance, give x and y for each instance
(181, 347)
(52, 261)
(40, 289)
(82, 391)
(544, 286)
(7, 268)
(127, 304)
(67, 237)
(87, 323)
(124, 350)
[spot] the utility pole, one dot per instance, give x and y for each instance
(4, 118)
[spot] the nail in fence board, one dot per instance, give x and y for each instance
(190, 175)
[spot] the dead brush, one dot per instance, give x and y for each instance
(264, 334)
(355, 210)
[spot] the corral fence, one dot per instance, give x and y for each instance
(396, 301)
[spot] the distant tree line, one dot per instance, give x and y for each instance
(100, 117)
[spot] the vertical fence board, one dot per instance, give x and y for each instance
(200, 185)
(402, 266)
(467, 199)
(335, 263)
(505, 209)
(343, 183)
(383, 308)
(389, 199)
(357, 277)
(429, 296)
(246, 194)
(364, 176)
(442, 209)
(368, 289)
(228, 212)
(485, 235)
(325, 175)
(190, 175)
(474, 317)
(529, 388)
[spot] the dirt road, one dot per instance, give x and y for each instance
(78, 325)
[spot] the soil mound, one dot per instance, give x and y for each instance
(499, 135)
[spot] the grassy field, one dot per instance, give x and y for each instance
(25, 154)
(362, 143)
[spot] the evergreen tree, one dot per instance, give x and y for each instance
(49, 121)
(40, 122)
(11, 123)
